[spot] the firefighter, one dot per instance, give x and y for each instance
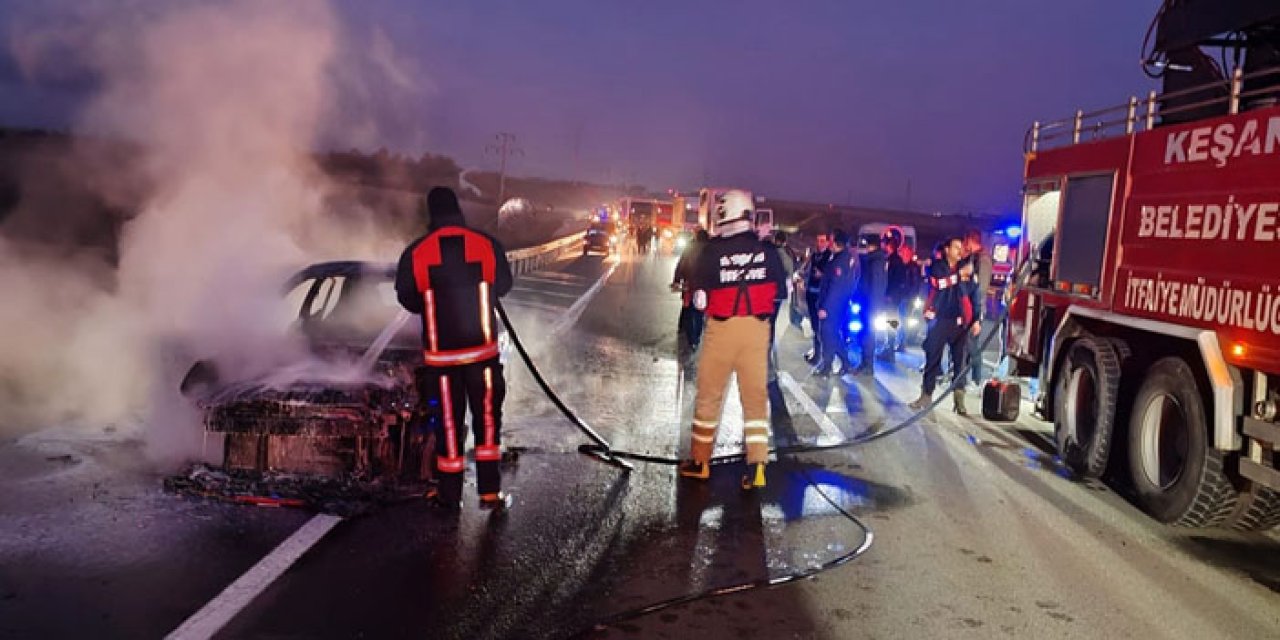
(839, 282)
(736, 280)
(451, 277)
(954, 308)
(691, 320)
(817, 264)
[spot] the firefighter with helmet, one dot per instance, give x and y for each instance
(451, 277)
(736, 282)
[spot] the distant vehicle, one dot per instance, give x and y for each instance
(876, 230)
(601, 237)
(764, 222)
(683, 239)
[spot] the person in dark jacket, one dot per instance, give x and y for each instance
(736, 280)
(956, 311)
(901, 283)
(872, 290)
(691, 319)
(778, 412)
(814, 269)
(451, 277)
(980, 261)
(835, 300)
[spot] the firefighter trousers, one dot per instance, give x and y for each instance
(446, 393)
(740, 346)
(943, 334)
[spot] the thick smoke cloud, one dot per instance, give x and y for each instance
(226, 101)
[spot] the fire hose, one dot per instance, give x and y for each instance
(600, 449)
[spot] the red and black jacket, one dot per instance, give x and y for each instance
(952, 296)
(452, 277)
(742, 276)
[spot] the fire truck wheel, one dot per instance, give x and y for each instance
(1085, 405)
(1258, 509)
(1177, 476)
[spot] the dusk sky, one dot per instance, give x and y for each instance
(817, 100)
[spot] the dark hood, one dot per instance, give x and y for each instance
(443, 209)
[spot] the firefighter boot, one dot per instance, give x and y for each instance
(754, 478)
(499, 501)
(957, 398)
(437, 502)
(920, 403)
(695, 469)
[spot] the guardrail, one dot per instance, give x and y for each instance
(534, 258)
(1228, 95)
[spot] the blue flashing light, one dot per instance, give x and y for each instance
(1013, 232)
(857, 308)
(855, 327)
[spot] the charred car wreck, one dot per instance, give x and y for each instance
(354, 410)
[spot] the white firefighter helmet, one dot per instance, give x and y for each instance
(734, 205)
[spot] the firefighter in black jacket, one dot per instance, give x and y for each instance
(736, 280)
(451, 277)
(955, 308)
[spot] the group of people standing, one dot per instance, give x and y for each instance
(852, 286)
(847, 285)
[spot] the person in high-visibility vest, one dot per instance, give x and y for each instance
(736, 282)
(451, 277)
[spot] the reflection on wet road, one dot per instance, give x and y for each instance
(978, 531)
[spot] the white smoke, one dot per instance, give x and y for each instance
(227, 99)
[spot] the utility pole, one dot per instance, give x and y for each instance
(504, 145)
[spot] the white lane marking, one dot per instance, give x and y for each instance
(574, 312)
(543, 292)
(831, 434)
(563, 280)
(214, 616)
(534, 306)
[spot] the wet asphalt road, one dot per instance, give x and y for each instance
(977, 532)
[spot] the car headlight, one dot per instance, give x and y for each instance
(918, 304)
(681, 242)
(912, 322)
(881, 322)
(666, 233)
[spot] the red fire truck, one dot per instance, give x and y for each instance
(1149, 305)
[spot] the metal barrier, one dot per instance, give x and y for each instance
(1125, 119)
(534, 258)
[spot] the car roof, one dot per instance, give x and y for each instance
(342, 268)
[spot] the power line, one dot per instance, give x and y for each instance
(504, 146)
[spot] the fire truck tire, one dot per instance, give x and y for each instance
(1177, 476)
(1258, 509)
(1085, 405)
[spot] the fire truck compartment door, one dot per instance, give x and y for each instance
(1082, 231)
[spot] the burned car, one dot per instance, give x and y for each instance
(351, 407)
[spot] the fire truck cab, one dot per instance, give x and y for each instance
(1148, 287)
